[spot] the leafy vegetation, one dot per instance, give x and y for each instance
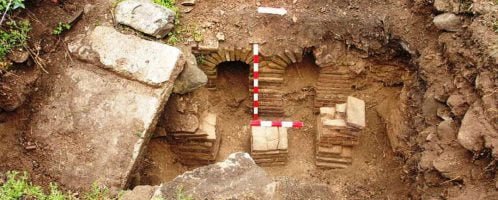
(19, 187)
(13, 35)
(60, 28)
(15, 4)
(168, 4)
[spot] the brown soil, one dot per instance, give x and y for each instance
(393, 36)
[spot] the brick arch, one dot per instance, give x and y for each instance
(213, 59)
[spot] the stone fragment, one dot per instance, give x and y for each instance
(146, 17)
(141, 192)
(210, 43)
(220, 36)
(447, 131)
(454, 163)
(476, 132)
(15, 89)
(355, 112)
(458, 104)
(238, 177)
(129, 56)
(448, 22)
(448, 5)
(192, 77)
(188, 3)
(18, 56)
(181, 123)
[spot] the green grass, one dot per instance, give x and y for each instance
(14, 5)
(12, 35)
(18, 187)
(60, 28)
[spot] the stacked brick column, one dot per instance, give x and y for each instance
(338, 131)
(200, 147)
(269, 145)
(333, 86)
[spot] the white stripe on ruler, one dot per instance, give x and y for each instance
(256, 83)
(255, 110)
(255, 49)
(256, 97)
(266, 123)
(256, 67)
(287, 124)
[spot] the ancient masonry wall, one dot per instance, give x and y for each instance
(333, 86)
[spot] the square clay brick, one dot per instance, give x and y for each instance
(259, 142)
(355, 112)
(334, 124)
(283, 142)
(327, 112)
(272, 137)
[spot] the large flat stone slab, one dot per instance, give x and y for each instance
(128, 55)
(93, 125)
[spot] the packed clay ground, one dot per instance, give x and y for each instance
(432, 75)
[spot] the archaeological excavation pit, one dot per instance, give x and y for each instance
(301, 84)
(397, 98)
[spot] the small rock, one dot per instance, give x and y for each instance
(18, 56)
(210, 43)
(447, 131)
(146, 17)
(454, 163)
(458, 104)
(191, 77)
(88, 8)
(294, 19)
(238, 177)
(220, 36)
(448, 5)
(448, 22)
(476, 131)
(186, 9)
(188, 3)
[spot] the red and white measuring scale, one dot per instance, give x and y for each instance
(256, 121)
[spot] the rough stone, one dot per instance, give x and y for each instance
(454, 163)
(129, 56)
(92, 119)
(238, 177)
(476, 132)
(448, 5)
(142, 192)
(458, 104)
(220, 36)
(447, 131)
(192, 77)
(18, 56)
(178, 122)
(448, 22)
(15, 89)
(146, 17)
(210, 43)
(188, 3)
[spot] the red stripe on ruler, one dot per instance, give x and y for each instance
(255, 58)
